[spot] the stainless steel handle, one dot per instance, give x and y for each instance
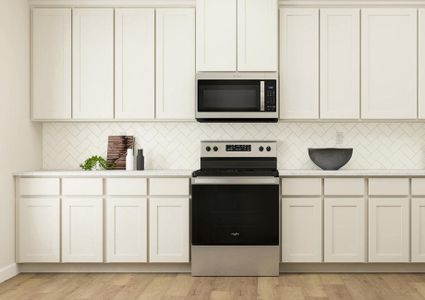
(235, 180)
(262, 97)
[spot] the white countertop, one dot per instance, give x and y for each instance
(352, 173)
(111, 173)
(188, 173)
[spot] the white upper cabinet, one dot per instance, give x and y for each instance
(51, 63)
(421, 64)
(216, 35)
(93, 63)
(339, 63)
(134, 63)
(257, 35)
(389, 63)
(299, 63)
(175, 63)
(236, 35)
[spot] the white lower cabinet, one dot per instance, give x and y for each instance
(389, 229)
(302, 229)
(344, 230)
(126, 230)
(38, 230)
(82, 229)
(169, 229)
(418, 230)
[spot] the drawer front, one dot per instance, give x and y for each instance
(126, 186)
(344, 186)
(301, 186)
(82, 186)
(418, 186)
(169, 186)
(389, 186)
(39, 186)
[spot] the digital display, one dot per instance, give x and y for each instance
(238, 148)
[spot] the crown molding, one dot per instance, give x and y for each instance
(352, 3)
(111, 3)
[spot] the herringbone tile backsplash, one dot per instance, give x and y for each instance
(177, 145)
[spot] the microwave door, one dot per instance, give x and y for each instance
(230, 96)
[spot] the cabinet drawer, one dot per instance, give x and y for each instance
(344, 186)
(169, 186)
(301, 186)
(418, 186)
(126, 186)
(39, 186)
(82, 186)
(389, 186)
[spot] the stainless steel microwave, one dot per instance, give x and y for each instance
(237, 97)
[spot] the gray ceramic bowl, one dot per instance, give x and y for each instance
(330, 158)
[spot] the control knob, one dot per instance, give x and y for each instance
(268, 149)
(215, 148)
(261, 148)
(208, 148)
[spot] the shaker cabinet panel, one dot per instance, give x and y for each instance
(418, 230)
(389, 230)
(302, 229)
(93, 63)
(126, 230)
(389, 63)
(51, 64)
(299, 63)
(134, 63)
(38, 230)
(257, 35)
(216, 35)
(339, 63)
(344, 230)
(82, 229)
(175, 63)
(169, 229)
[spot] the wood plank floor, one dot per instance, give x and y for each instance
(183, 286)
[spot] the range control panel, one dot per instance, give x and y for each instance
(238, 149)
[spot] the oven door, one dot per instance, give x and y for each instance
(235, 211)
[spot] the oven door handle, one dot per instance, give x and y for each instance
(235, 180)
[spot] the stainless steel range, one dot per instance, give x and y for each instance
(235, 210)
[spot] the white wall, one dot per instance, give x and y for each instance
(20, 139)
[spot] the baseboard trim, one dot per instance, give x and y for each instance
(352, 268)
(104, 268)
(8, 272)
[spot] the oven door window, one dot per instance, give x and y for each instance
(228, 95)
(235, 214)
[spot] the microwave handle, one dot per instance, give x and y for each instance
(262, 96)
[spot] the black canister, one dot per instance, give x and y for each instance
(140, 160)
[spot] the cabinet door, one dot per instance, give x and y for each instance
(418, 230)
(302, 230)
(169, 229)
(257, 35)
(216, 35)
(134, 63)
(345, 230)
(388, 230)
(38, 230)
(126, 230)
(299, 63)
(389, 63)
(421, 64)
(93, 63)
(339, 63)
(51, 63)
(82, 229)
(175, 63)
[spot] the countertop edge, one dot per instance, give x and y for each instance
(188, 173)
